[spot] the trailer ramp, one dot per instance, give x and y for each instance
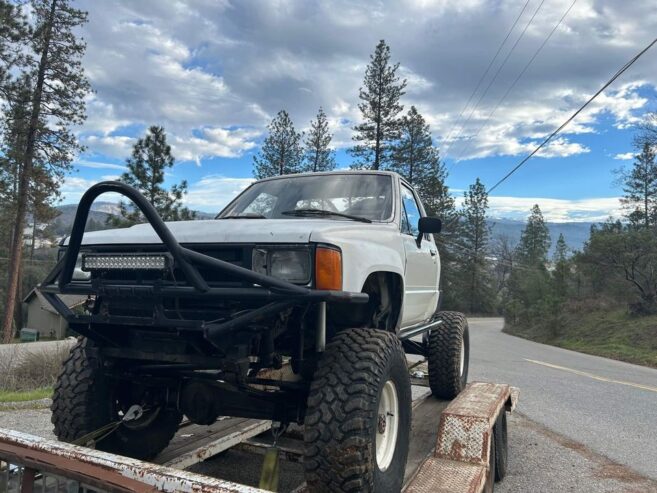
(461, 461)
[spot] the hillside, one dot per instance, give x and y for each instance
(594, 328)
(98, 215)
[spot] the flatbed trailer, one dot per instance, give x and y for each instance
(452, 450)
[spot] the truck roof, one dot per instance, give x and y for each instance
(336, 172)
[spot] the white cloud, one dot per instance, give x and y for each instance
(214, 142)
(625, 156)
(556, 210)
(198, 65)
(109, 145)
(73, 187)
(98, 165)
(212, 193)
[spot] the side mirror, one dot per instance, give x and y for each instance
(428, 225)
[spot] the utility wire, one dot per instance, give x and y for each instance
(513, 84)
(483, 76)
(574, 115)
(499, 69)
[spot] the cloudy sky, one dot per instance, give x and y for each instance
(214, 73)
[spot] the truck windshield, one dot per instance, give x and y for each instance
(366, 196)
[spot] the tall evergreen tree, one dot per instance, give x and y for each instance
(474, 273)
(640, 187)
(414, 155)
(379, 107)
(534, 240)
(281, 153)
(13, 34)
(318, 155)
(529, 290)
(53, 75)
(561, 272)
(151, 157)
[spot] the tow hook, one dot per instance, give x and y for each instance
(134, 412)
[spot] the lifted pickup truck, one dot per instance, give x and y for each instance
(297, 303)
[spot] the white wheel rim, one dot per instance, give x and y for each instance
(387, 425)
(462, 363)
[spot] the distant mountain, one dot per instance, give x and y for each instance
(98, 215)
(575, 233)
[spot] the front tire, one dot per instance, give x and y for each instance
(449, 355)
(358, 416)
(85, 400)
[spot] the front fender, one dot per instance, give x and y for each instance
(364, 251)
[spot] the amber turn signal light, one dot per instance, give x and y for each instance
(328, 269)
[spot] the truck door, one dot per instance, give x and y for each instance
(421, 278)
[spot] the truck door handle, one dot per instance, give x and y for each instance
(433, 252)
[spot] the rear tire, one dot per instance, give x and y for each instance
(358, 416)
(85, 400)
(448, 355)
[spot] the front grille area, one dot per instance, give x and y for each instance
(239, 255)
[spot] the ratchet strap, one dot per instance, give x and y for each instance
(93, 437)
(270, 469)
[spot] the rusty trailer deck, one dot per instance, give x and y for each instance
(448, 453)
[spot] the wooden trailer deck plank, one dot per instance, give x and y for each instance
(196, 443)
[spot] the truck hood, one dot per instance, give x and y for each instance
(223, 231)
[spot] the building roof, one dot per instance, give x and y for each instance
(70, 300)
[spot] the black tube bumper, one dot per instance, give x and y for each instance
(276, 294)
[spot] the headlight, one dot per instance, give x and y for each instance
(289, 265)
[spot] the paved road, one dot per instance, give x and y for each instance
(607, 406)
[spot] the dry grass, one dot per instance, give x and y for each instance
(27, 370)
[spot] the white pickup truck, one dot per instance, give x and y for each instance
(297, 303)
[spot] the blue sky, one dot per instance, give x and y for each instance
(215, 73)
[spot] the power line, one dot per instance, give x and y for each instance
(513, 84)
(483, 76)
(574, 115)
(499, 69)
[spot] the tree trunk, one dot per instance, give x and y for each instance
(16, 253)
(34, 231)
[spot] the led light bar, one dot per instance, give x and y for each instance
(94, 262)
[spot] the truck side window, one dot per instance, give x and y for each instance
(412, 210)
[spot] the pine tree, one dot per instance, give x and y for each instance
(530, 294)
(474, 273)
(561, 273)
(379, 108)
(534, 240)
(151, 158)
(52, 74)
(640, 187)
(318, 155)
(414, 155)
(13, 34)
(281, 153)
